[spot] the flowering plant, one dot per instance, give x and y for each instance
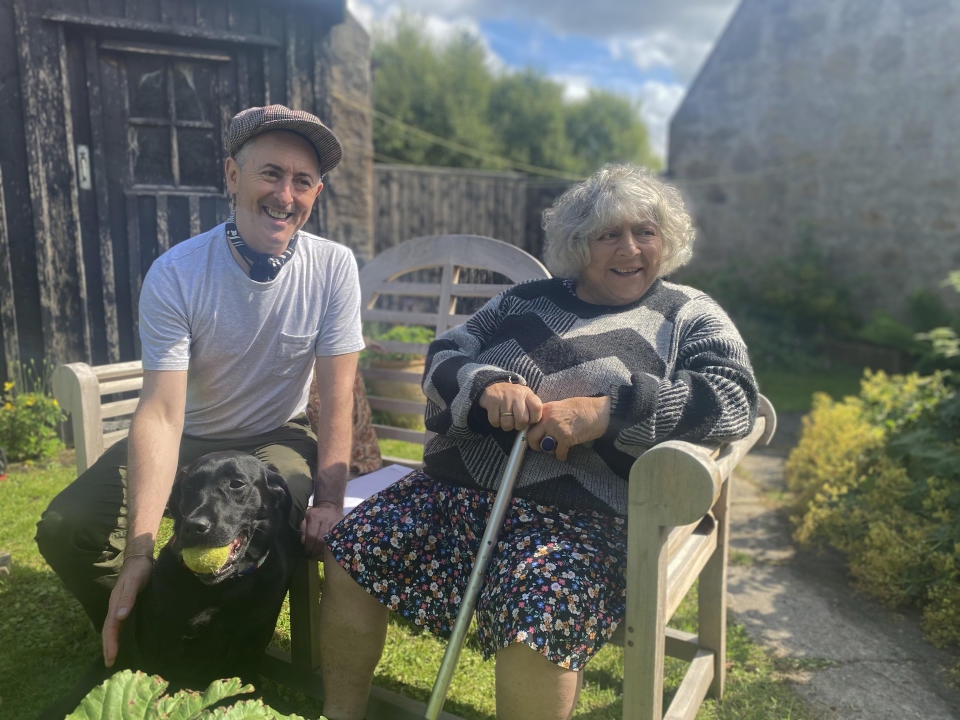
(28, 424)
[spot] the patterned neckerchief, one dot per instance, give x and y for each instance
(263, 267)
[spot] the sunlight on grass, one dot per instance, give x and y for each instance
(791, 391)
(401, 449)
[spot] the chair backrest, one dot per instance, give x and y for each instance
(431, 282)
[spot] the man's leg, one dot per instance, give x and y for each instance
(353, 627)
(82, 533)
(292, 449)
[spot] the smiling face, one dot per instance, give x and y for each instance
(624, 262)
(276, 178)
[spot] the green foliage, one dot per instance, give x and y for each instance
(490, 120)
(878, 477)
(129, 695)
(941, 339)
(397, 333)
(785, 307)
(28, 424)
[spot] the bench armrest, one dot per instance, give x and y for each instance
(677, 482)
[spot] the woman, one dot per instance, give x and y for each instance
(599, 363)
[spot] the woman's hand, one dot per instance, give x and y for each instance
(570, 422)
(510, 406)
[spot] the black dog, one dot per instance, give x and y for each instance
(192, 628)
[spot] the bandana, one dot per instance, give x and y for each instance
(263, 267)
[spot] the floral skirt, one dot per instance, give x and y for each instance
(556, 582)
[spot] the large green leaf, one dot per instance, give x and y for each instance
(129, 695)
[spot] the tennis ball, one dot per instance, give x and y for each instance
(204, 560)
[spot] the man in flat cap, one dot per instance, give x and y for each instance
(233, 323)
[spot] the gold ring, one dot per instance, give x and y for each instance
(504, 414)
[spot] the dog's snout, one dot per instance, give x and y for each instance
(195, 528)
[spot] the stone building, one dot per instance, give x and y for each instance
(835, 122)
(113, 121)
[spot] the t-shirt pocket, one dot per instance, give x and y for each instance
(292, 352)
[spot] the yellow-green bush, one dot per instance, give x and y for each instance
(878, 477)
(28, 424)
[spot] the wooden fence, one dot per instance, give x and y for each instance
(408, 201)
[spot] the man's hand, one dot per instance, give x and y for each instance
(570, 422)
(510, 406)
(317, 522)
(132, 579)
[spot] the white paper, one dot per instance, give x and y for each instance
(363, 486)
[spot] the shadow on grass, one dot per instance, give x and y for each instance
(48, 641)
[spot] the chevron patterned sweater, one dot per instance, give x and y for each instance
(672, 363)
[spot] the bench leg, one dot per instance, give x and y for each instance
(304, 614)
(712, 611)
(643, 648)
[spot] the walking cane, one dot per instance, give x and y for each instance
(500, 505)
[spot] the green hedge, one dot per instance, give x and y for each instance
(878, 477)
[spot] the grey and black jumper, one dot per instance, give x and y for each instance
(672, 363)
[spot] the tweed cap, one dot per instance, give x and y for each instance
(249, 123)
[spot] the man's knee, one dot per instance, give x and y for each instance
(80, 522)
(64, 531)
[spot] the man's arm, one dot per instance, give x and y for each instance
(153, 450)
(335, 379)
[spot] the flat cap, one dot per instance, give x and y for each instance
(249, 123)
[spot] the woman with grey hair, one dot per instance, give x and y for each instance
(598, 363)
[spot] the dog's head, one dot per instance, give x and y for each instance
(228, 500)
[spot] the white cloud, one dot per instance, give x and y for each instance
(658, 102)
(575, 87)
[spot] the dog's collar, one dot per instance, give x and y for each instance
(255, 566)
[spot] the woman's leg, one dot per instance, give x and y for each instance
(530, 687)
(353, 626)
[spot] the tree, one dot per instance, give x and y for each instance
(605, 127)
(442, 105)
(527, 112)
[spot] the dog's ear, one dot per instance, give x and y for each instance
(173, 502)
(276, 489)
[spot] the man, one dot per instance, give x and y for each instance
(233, 322)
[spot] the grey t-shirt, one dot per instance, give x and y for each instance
(249, 347)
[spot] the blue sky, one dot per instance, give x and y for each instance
(648, 50)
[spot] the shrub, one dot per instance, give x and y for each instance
(397, 333)
(28, 424)
(878, 477)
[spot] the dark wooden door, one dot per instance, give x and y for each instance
(157, 118)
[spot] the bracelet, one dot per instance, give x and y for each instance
(127, 556)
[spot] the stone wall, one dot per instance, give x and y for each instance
(836, 121)
(347, 198)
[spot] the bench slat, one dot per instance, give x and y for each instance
(118, 370)
(685, 567)
(119, 408)
(693, 688)
(396, 405)
(121, 385)
(400, 376)
(421, 289)
(111, 437)
(394, 433)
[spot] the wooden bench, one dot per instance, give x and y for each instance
(678, 501)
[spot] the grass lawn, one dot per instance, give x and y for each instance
(791, 391)
(48, 642)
